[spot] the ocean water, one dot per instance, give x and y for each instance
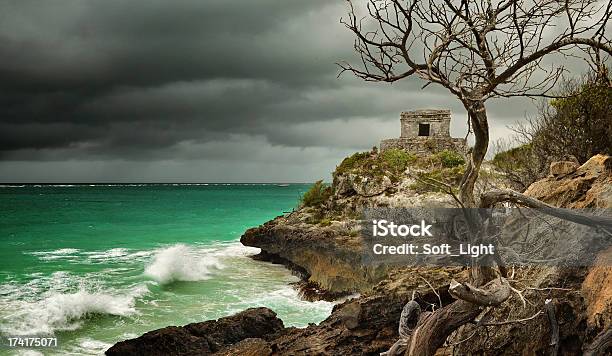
(94, 265)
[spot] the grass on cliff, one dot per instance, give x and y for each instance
(444, 166)
(392, 163)
(317, 194)
(426, 180)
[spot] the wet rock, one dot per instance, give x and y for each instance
(248, 347)
(202, 338)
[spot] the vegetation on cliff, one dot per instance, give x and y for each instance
(316, 195)
(442, 169)
(575, 126)
(391, 163)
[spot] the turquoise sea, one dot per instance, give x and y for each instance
(95, 264)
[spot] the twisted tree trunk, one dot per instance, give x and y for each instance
(434, 328)
(477, 114)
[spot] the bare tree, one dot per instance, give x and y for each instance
(477, 50)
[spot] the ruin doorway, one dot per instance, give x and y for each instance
(423, 129)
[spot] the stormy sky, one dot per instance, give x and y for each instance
(193, 91)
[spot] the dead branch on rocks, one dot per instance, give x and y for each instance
(554, 327)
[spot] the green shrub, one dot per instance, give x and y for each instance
(317, 194)
(449, 159)
(575, 125)
(354, 161)
(521, 165)
(397, 160)
(392, 162)
(325, 222)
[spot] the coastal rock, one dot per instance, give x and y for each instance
(563, 167)
(370, 186)
(366, 325)
(590, 186)
(247, 347)
(330, 258)
(363, 185)
(202, 338)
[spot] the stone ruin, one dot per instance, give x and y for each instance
(425, 132)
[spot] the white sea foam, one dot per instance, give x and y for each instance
(29, 353)
(233, 250)
(182, 263)
(109, 254)
(288, 304)
(89, 346)
(62, 253)
(65, 311)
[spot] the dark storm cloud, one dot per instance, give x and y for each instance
(219, 80)
(74, 73)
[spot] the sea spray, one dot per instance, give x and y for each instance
(65, 311)
(182, 263)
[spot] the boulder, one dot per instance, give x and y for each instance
(590, 186)
(563, 167)
(363, 185)
(370, 186)
(203, 338)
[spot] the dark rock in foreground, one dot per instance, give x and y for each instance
(202, 338)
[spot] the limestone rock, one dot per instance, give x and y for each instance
(342, 185)
(590, 186)
(563, 167)
(363, 185)
(370, 186)
(328, 256)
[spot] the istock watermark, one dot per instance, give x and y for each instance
(469, 237)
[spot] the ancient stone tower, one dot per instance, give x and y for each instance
(425, 132)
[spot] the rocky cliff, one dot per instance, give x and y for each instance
(322, 244)
(324, 240)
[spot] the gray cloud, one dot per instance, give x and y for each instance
(188, 83)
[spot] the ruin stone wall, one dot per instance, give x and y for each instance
(439, 121)
(425, 145)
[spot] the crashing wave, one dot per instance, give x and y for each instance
(182, 263)
(66, 311)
